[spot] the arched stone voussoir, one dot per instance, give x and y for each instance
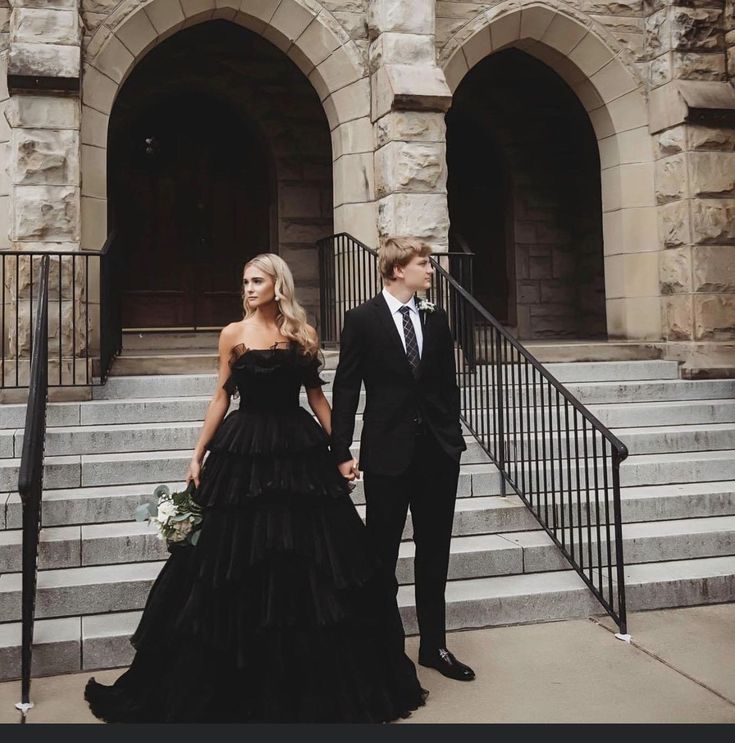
(303, 29)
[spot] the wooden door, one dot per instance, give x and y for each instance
(191, 204)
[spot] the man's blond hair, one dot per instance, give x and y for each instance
(398, 251)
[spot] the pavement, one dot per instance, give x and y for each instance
(678, 668)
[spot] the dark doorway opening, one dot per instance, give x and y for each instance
(191, 192)
(524, 194)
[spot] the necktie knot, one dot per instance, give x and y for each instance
(405, 310)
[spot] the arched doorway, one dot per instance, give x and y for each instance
(218, 149)
(524, 194)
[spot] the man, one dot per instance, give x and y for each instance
(411, 438)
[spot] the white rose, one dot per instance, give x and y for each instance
(166, 510)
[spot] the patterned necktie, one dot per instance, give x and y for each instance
(412, 345)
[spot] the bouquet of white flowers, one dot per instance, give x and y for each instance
(176, 515)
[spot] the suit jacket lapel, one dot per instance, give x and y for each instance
(391, 330)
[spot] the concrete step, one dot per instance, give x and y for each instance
(164, 436)
(636, 471)
(95, 641)
(170, 340)
(193, 408)
(607, 371)
(153, 362)
(116, 438)
(163, 466)
(581, 351)
(474, 514)
(649, 440)
(137, 468)
(589, 393)
(85, 557)
(597, 393)
(133, 541)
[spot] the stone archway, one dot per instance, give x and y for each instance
(586, 58)
(306, 33)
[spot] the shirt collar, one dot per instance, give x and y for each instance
(394, 305)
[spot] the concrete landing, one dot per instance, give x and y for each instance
(680, 667)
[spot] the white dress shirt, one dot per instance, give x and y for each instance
(394, 305)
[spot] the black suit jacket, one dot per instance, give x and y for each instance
(371, 351)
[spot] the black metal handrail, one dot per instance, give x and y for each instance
(71, 276)
(560, 460)
(30, 480)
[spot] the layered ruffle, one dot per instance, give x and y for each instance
(280, 612)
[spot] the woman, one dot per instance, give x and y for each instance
(280, 613)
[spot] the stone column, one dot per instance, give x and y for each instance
(409, 98)
(42, 162)
(692, 110)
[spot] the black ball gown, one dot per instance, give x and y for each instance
(281, 612)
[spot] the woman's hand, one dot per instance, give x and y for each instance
(192, 473)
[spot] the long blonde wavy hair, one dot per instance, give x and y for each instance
(291, 318)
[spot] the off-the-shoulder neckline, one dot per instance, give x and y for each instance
(274, 347)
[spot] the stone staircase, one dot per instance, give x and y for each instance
(105, 455)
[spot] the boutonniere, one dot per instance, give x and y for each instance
(426, 306)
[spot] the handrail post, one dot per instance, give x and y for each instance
(500, 407)
(30, 481)
(619, 563)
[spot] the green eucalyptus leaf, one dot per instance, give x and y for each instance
(161, 490)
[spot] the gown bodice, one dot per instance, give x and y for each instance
(270, 379)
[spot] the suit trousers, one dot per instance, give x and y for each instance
(429, 487)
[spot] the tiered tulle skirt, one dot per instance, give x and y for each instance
(281, 612)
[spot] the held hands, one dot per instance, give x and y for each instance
(350, 470)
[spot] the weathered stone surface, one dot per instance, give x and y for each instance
(612, 7)
(411, 49)
(713, 268)
(98, 6)
(410, 126)
(410, 167)
(671, 180)
(45, 157)
(43, 112)
(673, 223)
(47, 213)
(707, 138)
(354, 23)
(712, 173)
(31, 25)
(409, 17)
(671, 141)
(44, 60)
(72, 276)
(419, 215)
(675, 271)
(60, 4)
(661, 70)
(696, 28)
(20, 343)
(714, 317)
(677, 317)
(409, 87)
(658, 33)
(713, 221)
(697, 66)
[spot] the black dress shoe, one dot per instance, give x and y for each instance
(444, 662)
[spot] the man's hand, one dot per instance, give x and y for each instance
(349, 469)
